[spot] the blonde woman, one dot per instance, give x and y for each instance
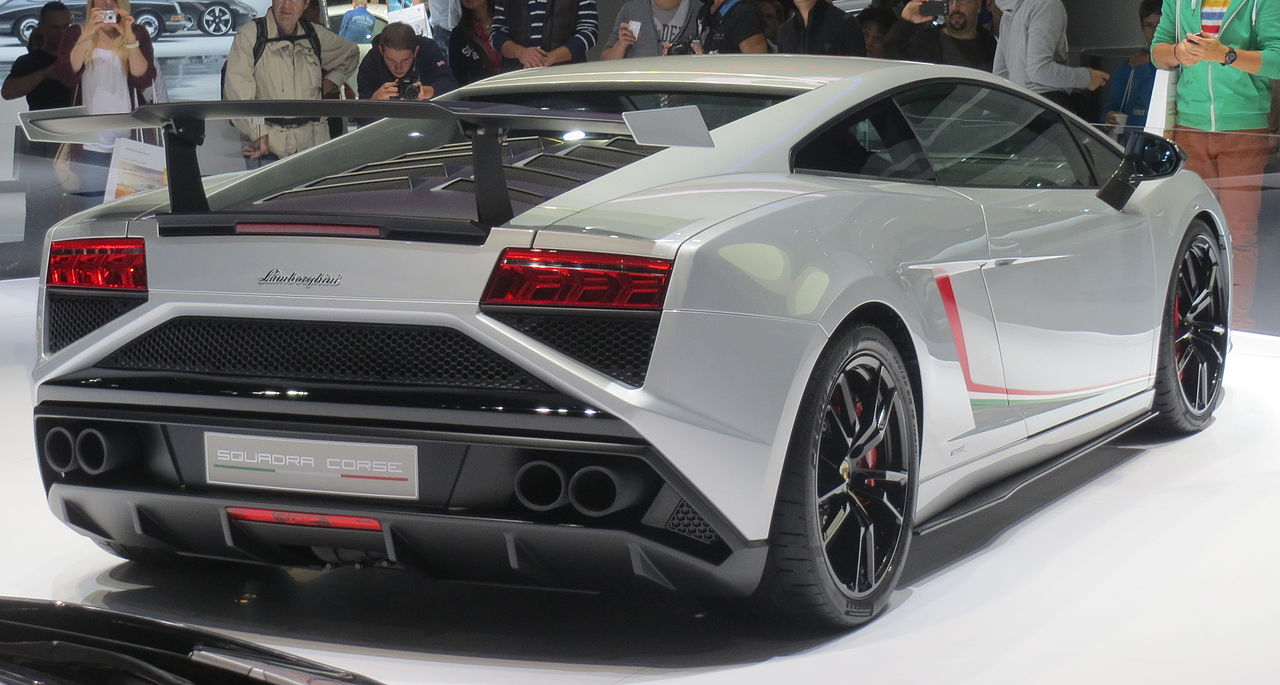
(109, 63)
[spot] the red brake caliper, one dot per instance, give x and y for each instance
(1177, 332)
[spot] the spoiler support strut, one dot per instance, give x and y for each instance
(186, 186)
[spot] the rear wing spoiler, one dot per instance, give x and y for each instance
(183, 127)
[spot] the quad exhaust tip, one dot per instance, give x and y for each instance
(601, 490)
(541, 486)
(60, 450)
(92, 450)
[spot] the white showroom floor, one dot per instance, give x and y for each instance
(1150, 563)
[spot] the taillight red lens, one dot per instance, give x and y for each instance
(298, 518)
(114, 263)
(557, 278)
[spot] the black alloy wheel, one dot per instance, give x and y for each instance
(216, 20)
(1193, 340)
(150, 22)
(843, 518)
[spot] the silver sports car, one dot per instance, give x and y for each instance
(723, 325)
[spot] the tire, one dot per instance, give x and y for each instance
(216, 20)
(24, 27)
(1193, 335)
(152, 23)
(820, 571)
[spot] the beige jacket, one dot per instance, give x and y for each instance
(286, 71)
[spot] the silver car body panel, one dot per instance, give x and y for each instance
(768, 265)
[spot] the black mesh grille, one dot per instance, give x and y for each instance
(71, 317)
(687, 522)
(618, 346)
(321, 350)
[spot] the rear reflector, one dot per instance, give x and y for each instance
(298, 518)
(557, 278)
(309, 229)
(111, 263)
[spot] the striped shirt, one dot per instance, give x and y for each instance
(1212, 14)
(584, 36)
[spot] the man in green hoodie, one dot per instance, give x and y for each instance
(1228, 51)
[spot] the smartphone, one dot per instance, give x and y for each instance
(635, 29)
(110, 17)
(934, 9)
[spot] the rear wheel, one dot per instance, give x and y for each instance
(1193, 335)
(149, 22)
(216, 20)
(843, 518)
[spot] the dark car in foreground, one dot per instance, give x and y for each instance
(69, 644)
(18, 18)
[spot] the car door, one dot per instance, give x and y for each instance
(940, 246)
(1071, 280)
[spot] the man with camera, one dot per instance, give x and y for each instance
(959, 41)
(403, 66)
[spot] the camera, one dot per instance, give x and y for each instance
(407, 89)
(681, 47)
(110, 17)
(935, 9)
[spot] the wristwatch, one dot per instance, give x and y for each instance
(1230, 58)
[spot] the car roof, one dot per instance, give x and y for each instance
(787, 73)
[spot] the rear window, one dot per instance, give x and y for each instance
(717, 109)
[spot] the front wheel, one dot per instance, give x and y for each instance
(843, 518)
(1193, 335)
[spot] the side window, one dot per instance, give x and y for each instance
(876, 141)
(979, 136)
(1104, 158)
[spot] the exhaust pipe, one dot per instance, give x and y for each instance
(603, 490)
(60, 450)
(99, 450)
(540, 486)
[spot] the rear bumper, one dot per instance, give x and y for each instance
(444, 547)
(466, 523)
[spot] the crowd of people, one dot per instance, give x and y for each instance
(1227, 61)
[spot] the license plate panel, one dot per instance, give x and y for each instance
(331, 467)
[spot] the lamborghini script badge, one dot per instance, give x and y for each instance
(278, 277)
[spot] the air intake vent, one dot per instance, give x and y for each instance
(619, 346)
(374, 354)
(687, 522)
(73, 316)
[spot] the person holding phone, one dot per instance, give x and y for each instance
(1228, 53)
(646, 28)
(960, 40)
(109, 61)
(1032, 51)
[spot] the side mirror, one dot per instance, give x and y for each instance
(1146, 157)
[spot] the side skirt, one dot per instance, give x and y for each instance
(1002, 490)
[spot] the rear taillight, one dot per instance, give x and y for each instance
(298, 518)
(109, 263)
(556, 278)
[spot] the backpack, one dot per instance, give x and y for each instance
(261, 40)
